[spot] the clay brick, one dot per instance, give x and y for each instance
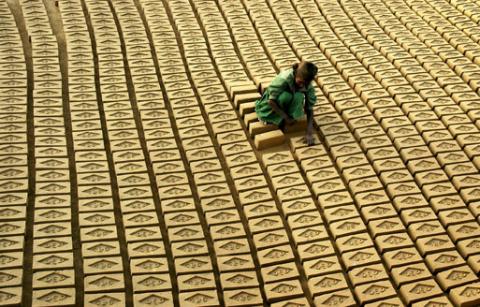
(343, 297)
(298, 206)
(269, 139)
(283, 290)
(393, 241)
(250, 118)
(449, 217)
(279, 272)
(467, 295)
(320, 266)
(441, 301)
(232, 230)
(158, 298)
(110, 282)
(420, 214)
(347, 227)
(365, 274)
(230, 137)
(287, 180)
(410, 273)
(456, 277)
(205, 297)
(296, 301)
(304, 219)
(260, 209)
(326, 283)
(245, 98)
(401, 257)
(328, 186)
(241, 159)
(334, 199)
(370, 292)
(436, 243)
(340, 213)
(275, 255)
(149, 265)
(464, 231)
(246, 108)
(304, 235)
(379, 211)
(65, 296)
(321, 174)
(266, 223)
(282, 169)
(354, 242)
(419, 290)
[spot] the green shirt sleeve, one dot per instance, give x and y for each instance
(276, 87)
(311, 96)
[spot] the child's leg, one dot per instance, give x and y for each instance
(295, 109)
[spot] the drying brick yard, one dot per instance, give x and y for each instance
(135, 172)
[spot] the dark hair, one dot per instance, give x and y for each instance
(306, 70)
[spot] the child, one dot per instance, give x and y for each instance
(289, 97)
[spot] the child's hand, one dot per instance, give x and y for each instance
(309, 139)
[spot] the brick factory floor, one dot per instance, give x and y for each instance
(134, 172)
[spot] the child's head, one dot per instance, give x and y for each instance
(304, 73)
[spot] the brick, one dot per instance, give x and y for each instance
(261, 209)
(367, 293)
(282, 169)
(232, 230)
(443, 260)
(275, 255)
(245, 98)
(104, 282)
(456, 277)
(401, 257)
(321, 266)
(417, 215)
(256, 128)
(65, 296)
(420, 290)
(304, 219)
(158, 298)
(205, 165)
(235, 262)
(410, 273)
(467, 295)
(246, 108)
(436, 300)
(148, 265)
(197, 281)
(279, 272)
(239, 296)
(340, 297)
(231, 281)
(206, 298)
(464, 231)
(283, 290)
(365, 274)
(435, 243)
(104, 298)
(250, 118)
(326, 283)
(269, 139)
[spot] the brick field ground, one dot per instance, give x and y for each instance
(134, 172)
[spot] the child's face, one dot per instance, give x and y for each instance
(299, 82)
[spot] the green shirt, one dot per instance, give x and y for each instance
(282, 91)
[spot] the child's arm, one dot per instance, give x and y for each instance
(309, 135)
(273, 104)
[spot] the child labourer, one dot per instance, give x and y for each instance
(289, 97)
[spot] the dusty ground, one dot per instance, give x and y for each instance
(130, 169)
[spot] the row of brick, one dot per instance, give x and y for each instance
(13, 161)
